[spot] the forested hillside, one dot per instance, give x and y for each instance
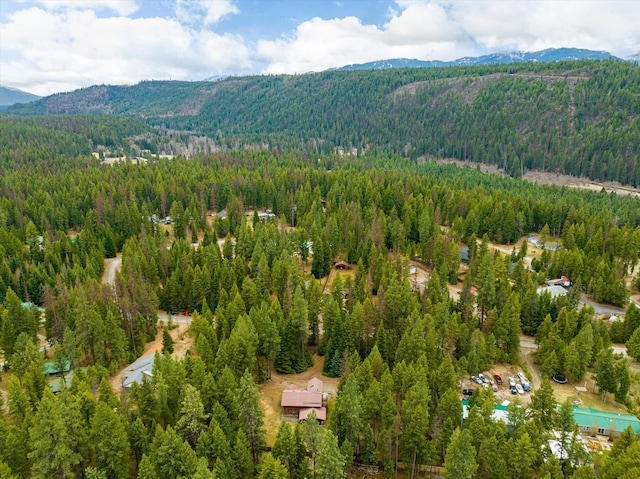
(259, 306)
(579, 118)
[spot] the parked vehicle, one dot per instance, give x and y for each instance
(483, 378)
(497, 378)
(468, 392)
(512, 382)
(513, 389)
(526, 387)
(494, 386)
(476, 379)
(519, 389)
(522, 377)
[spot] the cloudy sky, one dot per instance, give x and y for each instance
(49, 46)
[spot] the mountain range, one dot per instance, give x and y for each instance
(10, 96)
(548, 55)
(573, 117)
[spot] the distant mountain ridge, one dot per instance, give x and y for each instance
(10, 96)
(571, 117)
(548, 55)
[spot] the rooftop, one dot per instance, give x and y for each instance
(137, 370)
(53, 367)
(589, 417)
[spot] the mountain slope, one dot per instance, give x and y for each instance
(578, 117)
(548, 55)
(10, 96)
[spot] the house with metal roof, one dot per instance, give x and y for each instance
(593, 421)
(134, 373)
(54, 367)
(300, 402)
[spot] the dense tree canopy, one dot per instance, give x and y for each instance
(260, 300)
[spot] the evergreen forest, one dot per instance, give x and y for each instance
(262, 293)
(572, 117)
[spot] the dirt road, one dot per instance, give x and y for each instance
(111, 268)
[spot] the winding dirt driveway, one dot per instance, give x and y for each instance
(111, 268)
(527, 349)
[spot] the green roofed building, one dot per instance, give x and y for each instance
(53, 367)
(610, 424)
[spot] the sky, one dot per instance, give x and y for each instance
(50, 46)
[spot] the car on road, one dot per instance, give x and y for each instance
(519, 389)
(494, 386)
(498, 378)
(560, 378)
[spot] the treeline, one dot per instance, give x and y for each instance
(578, 118)
(47, 141)
(257, 306)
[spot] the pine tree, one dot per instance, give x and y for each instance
(605, 373)
(330, 463)
(544, 406)
(633, 345)
(271, 468)
(167, 342)
(623, 380)
(485, 280)
(192, 416)
(415, 418)
(53, 447)
(110, 442)
(460, 461)
(251, 415)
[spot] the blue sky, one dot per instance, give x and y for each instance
(48, 46)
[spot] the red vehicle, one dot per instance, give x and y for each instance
(186, 313)
(497, 378)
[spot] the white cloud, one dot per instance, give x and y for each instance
(446, 30)
(64, 44)
(535, 25)
(206, 12)
(123, 7)
(72, 49)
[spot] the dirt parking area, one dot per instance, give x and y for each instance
(504, 394)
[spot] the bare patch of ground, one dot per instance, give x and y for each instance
(271, 393)
(470, 87)
(124, 159)
(111, 267)
(549, 178)
(328, 281)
